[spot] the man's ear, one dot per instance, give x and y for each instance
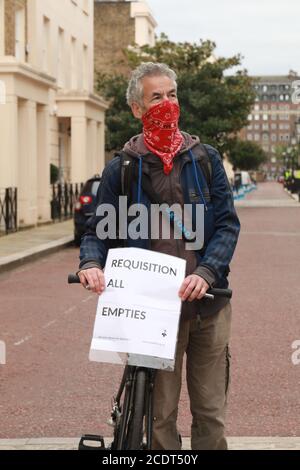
(137, 110)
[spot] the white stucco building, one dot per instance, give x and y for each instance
(48, 110)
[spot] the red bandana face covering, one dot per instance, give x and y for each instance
(161, 133)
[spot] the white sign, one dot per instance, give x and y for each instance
(139, 311)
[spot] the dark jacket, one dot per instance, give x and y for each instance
(221, 225)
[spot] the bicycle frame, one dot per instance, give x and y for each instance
(122, 414)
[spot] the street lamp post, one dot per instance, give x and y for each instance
(298, 131)
(292, 153)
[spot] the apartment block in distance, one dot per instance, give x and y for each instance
(119, 24)
(48, 112)
(274, 116)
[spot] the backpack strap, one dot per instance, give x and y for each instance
(205, 163)
(127, 170)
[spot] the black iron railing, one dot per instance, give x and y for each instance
(8, 210)
(64, 196)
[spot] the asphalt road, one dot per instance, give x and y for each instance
(49, 388)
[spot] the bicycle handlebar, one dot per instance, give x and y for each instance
(74, 279)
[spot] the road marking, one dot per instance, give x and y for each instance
(66, 312)
(49, 323)
(276, 234)
(2, 352)
(88, 298)
(69, 310)
(22, 340)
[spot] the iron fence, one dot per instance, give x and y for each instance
(8, 210)
(64, 196)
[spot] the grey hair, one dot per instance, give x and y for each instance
(134, 91)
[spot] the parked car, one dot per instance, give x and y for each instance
(85, 206)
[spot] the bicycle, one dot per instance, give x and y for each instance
(132, 408)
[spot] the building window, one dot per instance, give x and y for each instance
(256, 107)
(273, 137)
(60, 59)
(265, 137)
(85, 68)
(256, 117)
(46, 45)
(281, 97)
(2, 28)
(250, 117)
(249, 127)
(265, 127)
(265, 107)
(273, 126)
(265, 88)
(85, 6)
(73, 63)
(256, 126)
(249, 136)
(256, 137)
(265, 117)
(274, 117)
(20, 34)
(273, 106)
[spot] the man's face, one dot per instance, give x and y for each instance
(155, 90)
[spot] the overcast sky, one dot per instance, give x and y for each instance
(265, 32)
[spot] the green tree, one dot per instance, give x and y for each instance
(214, 104)
(245, 155)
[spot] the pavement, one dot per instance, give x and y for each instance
(25, 246)
(234, 443)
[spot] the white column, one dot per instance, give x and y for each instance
(43, 164)
(9, 142)
(78, 149)
(93, 148)
(100, 160)
(27, 186)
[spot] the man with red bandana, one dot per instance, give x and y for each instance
(170, 158)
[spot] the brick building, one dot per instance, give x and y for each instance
(272, 121)
(119, 24)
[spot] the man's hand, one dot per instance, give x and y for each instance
(193, 287)
(92, 278)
